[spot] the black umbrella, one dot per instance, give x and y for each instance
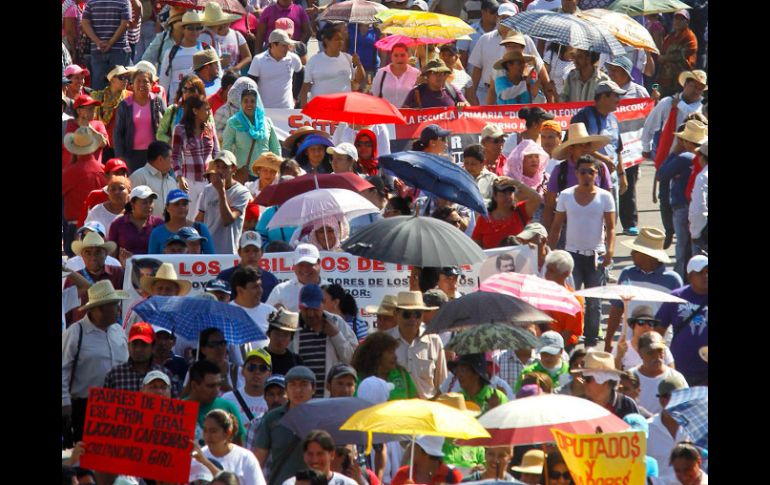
(483, 307)
(419, 241)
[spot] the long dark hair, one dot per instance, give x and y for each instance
(348, 305)
(368, 354)
(188, 118)
(193, 79)
(204, 339)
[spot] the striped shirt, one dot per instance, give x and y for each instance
(312, 349)
(105, 17)
(133, 33)
(191, 154)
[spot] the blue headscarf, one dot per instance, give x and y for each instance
(256, 130)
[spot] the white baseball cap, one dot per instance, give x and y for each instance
(280, 36)
(250, 238)
(507, 9)
(344, 149)
(156, 374)
(142, 192)
(697, 263)
(306, 253)
(432, 445)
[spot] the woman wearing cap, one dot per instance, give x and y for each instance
(233, 51)
(249, 133)
(512, 86)
(507, 216)
(428, 465)
(175, 217)
(117, 190)
(111, 96)
(85, 115)
(312, 156)
(77, 76)
(331, 70)
(376, 356)
(190, 85)
(132, 231)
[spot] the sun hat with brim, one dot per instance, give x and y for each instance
(596, 361)
(651, 340)
(576, 135)
(622, 62)
(92, 240)
(531, 230)
(477, 362)
(457, 401)
(145, 67)
(303, 131)
(267, 160)
(213, 15)
(435, 65)
(697, 74)
(532, 463)
(74, 69)
(119, 71)
(284, 320)
(313, 140)
(412, 300)
(513, 56)
(192, 17)
(514, 37)
(103, 293)
(644, 313)
(165, 273)
(704, 149)
(650, 241)
(203, 58)
(431, 445)
(694, 132)
(83, 141)
(386, 308)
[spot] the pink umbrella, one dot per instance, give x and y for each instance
(387, 43)
(541, 294)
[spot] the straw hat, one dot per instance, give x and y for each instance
(694, 132)
(101, 293)
(284, 320)
(204, 58)
(435, 65)
(147, 67)
(387, 306)
(457, 401)
(83, 141)
(213, 15)
(576, 135)
(650, 241)
(513, 56)
(119, 71)
(93, 240)
(267, 160)
(166, 273)
(703, 352)
(532, 462)
(302, 131)
(514, 37)
(412, 300)
(192, 17)
(698, 75)
(598, 362)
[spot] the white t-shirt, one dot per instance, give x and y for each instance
(181, 65)
(228, 45)
(76, 263)
(585, 224)
(461, 80)
(632, 358)
(648, 388)
(275, 78)
(336, 479)
(329, 75)
(238, 461)
(224, 238)
(394, 89)
(257, 405)
(99, 213)
(488, 51)
(259, 316)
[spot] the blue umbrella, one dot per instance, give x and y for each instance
(437, 175)
(189, 316)
(690, 408)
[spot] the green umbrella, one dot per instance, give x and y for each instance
(491, 336)
(646, 7)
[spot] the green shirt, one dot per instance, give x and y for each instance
(224, 405)
(404, 385)
(538, 367)
(278, 440)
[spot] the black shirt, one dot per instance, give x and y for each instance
(283, 362)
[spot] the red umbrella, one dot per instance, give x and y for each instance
(280, 193)
(387, 43)
(355, 108)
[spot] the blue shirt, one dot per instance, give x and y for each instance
(502, 83)
(269, 281)
(364, 46)
(160, 235)
(598, 124)
(277, 234)
(660, 279)
(675, 173)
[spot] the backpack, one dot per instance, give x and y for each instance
(175, 48)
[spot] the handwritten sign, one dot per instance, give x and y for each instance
(140, 435)
(604, 459)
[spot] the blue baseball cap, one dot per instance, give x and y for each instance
(637, 422)
(174, 238)
(176, 195)
(217, 285)
(94, 226)
(313, 140)
(311, 296)
(190, 234)
(275, 380)
(432, 132)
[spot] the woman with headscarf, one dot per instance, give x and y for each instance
(366, 144)
(326, 234)
(312, 156)
(526, 163)
(233, 105)
(249, 133)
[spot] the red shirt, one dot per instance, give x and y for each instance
(565, 321)
(490, 232)
(498, 168)
(78, 180)
(216, 101)
(439, 477)
(72, 125)
(94, 197)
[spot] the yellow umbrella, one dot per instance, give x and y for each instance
(627, 30)
(422, 24)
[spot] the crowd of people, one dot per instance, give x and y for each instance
(166, 145)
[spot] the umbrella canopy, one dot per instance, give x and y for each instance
(482, 307)
(353, 107)
(318, 204)
(280, 193)
(646, 7)
(437, 175)
(690, 408)
(387, 43)
(422, 24)
(542, 294)
(628, 292)
(189, 316)
(419, 241)
(565, 29)
(491, 336)
(353, 12)
(530, 420)
(627, 30)
(229, 6)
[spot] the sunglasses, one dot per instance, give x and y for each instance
(497, 141)
(662, 395)
(259, 367)
(364, 144)
(124, 77)
(586, 171)
(216, 343)
(558, 475)
(412, 314)
(193, 27)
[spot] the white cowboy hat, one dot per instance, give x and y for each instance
(576, 135)
(284, 320)
(119, 71)
(412, 300)
(532, 463)
(166, 273)
(192, 17)
(93, 240)
(697, 74)
(386, 308)
(213, 15)
(650, 242)
(596, 361)
(101, 293)
(694, 132)
(83, 141)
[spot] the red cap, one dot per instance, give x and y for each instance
(142, 331)
(252, 211)
(115, 164)
(85, 100)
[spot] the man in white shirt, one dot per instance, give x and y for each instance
(250, 399)
(156, 174)
(486, 23)
(307, 270)
(247, 287)
(652, 370)
(590, 212)
(273, 70)
(665, 433)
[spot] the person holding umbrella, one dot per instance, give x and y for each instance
(331, 70)
(507, 217)
(626, 353)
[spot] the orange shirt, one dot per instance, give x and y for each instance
(565, 321)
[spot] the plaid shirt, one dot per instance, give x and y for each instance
(125, 378)
(191, 154)
(511, 366)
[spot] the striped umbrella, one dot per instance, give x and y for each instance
(353, 12)
(565, 29)
(541, 294)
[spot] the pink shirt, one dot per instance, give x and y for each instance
(143, 134)
(272, 13)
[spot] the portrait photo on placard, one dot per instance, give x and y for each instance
(512, 259)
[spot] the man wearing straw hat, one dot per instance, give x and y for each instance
(206, 67)
(649, 270)
(600, 379)
(386, 313)
(90, 348)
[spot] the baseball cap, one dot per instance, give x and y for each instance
(190, 234)
(551, 125)
(94, 226)
(159, 330)
(217, 285)
(176, 195)
(261, 354)
(74, 69)
(507, 9)
(341, 370)
(285, 23)
(551, 343)
(531, 230)
(605, 87)
(651, 341)
(85, 100)
(141, 192)
(684, 13)
(276, 380)
(310, 296)
(491, 130)
(141, 331)
(281, 36)
(450, 271)
(174, 238)
(374, 389)
(431, 132)
(434, 297)
(622, 62)
(114, 164)
(344, 149)
(670, 384)
(155, 375)
(420, 4)
(432, 445)
(250, 238)
(306, 253)
(226, 156)
(697, 263)
(301, 373)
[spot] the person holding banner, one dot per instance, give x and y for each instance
(511, 86)
(435, 92)
(205, 385)
(582, 81)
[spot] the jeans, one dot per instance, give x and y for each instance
(627, 209)
(146, 35)
(683, 249)
(481, 93)
(588, 273)
(666, 212)
(102, 63)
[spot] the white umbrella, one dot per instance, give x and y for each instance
(319, 204)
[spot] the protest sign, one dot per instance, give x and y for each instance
(139, 435)
(604, 459)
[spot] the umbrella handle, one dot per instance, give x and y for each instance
(624, 332)
(411, 461)
(355, 41)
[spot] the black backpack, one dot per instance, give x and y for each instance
(174, 49)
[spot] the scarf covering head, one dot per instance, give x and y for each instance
(369, 167)
(256, 130)
(239, 86)
(338, 224)
(515, 163)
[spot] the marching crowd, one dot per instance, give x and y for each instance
(167, 144)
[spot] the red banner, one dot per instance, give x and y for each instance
(139, 435)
